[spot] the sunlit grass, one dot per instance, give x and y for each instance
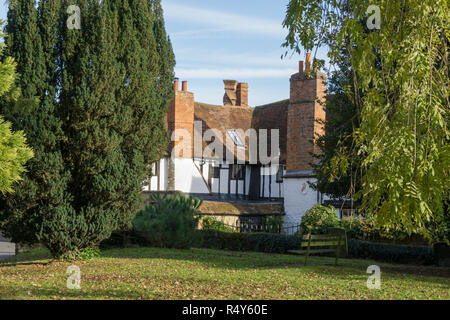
(149, 273)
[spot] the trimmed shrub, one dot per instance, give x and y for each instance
(260, 242)
(318, 219)
(390, 253)
(170, 221)
(271, 242)
(215, 239)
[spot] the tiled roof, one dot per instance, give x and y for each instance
(223, 118)
(209, 207)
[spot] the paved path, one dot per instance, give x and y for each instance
(7, 249)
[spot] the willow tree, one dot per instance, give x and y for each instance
(401, 85)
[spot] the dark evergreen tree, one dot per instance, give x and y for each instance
(342, 120)
(42, 193)
(108, 86)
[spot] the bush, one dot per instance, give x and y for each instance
(390, 253)
(261, 242)
(170, 221)
(359, 228)
(209, 223)
(89, 253)
(318, 219)
(273, 224)
(215, 239)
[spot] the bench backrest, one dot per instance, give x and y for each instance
(335, 237)
(323, 240)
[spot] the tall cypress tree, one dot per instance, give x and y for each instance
(107, 88)
(41, 193)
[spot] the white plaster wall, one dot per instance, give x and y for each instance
(154, 183)
(164, 183)
(224, 180)
(188, 178)
(296, 202)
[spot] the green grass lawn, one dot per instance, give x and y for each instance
(149, 273)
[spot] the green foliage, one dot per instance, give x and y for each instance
(89, 253)
(318, 219)
(95, 118)
(337, 141)
(210, 223)
(262, 242)
(401, 89)
(273, 224)
(171, 221)
(14, 152)
(390, 253)
(359, 228)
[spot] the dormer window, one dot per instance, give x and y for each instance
(237, 141)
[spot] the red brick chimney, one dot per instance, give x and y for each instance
(176, 84)
(242, 94)
(181, 116)
(230, 97)
(304, 110)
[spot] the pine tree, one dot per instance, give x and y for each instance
(14, 152)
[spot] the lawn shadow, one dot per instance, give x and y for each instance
(257, 260)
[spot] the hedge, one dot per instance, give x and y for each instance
(277, 243)
(390, 253)
(260, 242)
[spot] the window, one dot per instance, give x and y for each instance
(237, 141)
(214, 172)
(237, 171)
(280, 174)
(155, 169)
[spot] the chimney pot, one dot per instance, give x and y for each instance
(300, 66)
(184, 85)
(308, 62)
(176, 84)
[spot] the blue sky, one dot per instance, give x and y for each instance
(240, 40)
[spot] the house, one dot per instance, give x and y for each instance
(240, 154)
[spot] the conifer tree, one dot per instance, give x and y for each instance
(14, 152)
(41, 192)
(107, 88)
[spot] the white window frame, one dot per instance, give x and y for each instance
(236, 139)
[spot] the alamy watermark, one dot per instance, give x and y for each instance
(74, 20)
(74, 279)
(374, 19)
(374, 281)
(228, 144)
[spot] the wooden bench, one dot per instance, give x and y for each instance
(335, 241)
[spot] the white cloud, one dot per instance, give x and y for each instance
(221, 21)
(225, 73)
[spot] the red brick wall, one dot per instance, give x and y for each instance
(303, 110)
